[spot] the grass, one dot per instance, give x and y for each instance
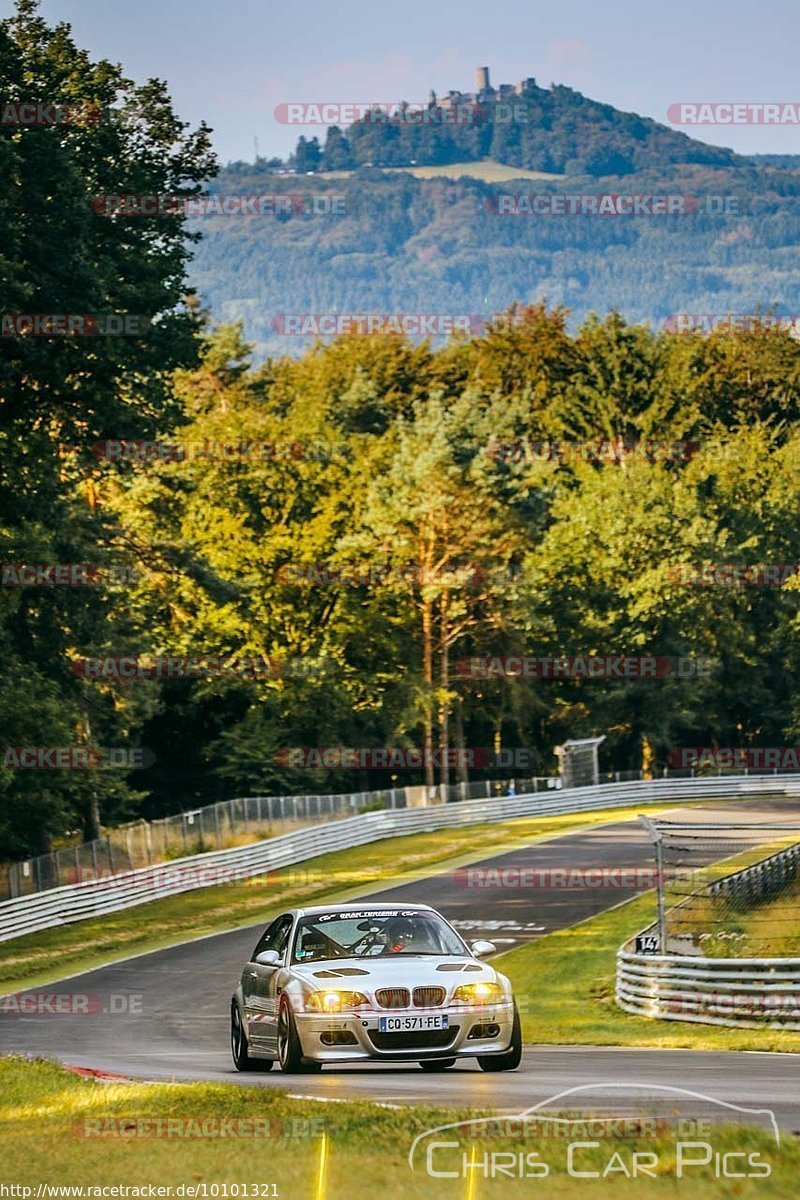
(53, 953)
(485, 169)
(565, 989)
(46, 1112)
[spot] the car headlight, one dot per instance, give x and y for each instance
(478, 993)
(334, 1002)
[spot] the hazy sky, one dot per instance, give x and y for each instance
(232, 62)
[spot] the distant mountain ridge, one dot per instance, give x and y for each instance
(385, 242)
(555, 129)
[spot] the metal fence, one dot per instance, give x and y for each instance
(225, 824)
(231, 822)
(706, 908)
(724, 949)
(127, 888)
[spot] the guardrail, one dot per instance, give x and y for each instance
(215, 827)
(757, 882)
(745, 992)
(96, 897)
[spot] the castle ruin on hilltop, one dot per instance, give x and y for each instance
(483, 91)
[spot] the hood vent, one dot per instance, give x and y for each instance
(340, 973)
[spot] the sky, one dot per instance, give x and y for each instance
(231, 63)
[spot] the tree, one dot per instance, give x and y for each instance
(65, 251)
(446, 541)
(307, 156)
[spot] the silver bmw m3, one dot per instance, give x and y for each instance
(349, 982)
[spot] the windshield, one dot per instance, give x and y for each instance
(373, 934)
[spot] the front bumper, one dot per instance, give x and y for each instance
(351, 1037)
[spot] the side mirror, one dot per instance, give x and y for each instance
(268, 958)
(483, 949)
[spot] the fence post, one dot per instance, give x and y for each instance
(659, 853)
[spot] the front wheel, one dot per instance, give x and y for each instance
(240, 1050)
(512, 1057)
(290, 1053)
(437, 1064)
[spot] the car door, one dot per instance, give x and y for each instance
(258, 985)
(274, 980)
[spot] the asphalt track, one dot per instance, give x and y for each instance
(164, 1015)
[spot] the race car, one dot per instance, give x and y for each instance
(381, 982)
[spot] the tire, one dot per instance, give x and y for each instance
(437, 1064)
(510, 1059)
(240, 1051)
(290, 1054)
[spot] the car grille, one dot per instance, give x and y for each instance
(393, 997)
(414, 1039)
(428, 997)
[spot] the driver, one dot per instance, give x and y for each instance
(399, 935)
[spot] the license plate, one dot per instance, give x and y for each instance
(402, 1024)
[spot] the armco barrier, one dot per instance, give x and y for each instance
(745, 992)
(96, 897)
(757, 882)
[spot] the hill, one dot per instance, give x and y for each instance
(556, 129)
(386, 242)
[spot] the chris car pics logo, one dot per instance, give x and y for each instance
(536, 1144)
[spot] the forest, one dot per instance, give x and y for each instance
(211, 557)
(382, 242)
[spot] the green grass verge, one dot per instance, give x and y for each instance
(45, 1114)
(565, 988)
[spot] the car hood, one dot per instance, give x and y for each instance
(401, 970)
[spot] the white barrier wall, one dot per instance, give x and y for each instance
(747, 992)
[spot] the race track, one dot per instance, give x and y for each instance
(164, 1015)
